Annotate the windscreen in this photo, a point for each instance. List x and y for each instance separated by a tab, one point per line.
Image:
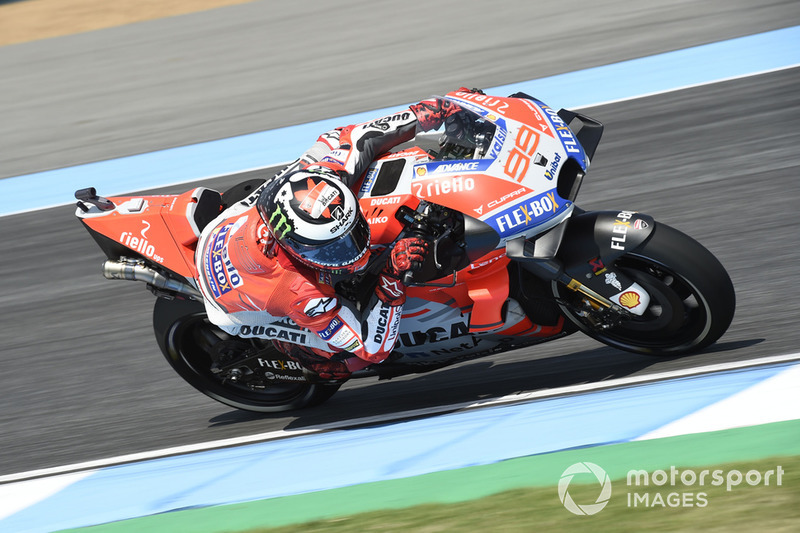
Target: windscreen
464	135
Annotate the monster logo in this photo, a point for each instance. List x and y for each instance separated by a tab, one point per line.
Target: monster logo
282	226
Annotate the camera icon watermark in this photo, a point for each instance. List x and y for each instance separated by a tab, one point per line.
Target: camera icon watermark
586	508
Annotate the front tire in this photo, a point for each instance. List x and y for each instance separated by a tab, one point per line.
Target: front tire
692	298
186	336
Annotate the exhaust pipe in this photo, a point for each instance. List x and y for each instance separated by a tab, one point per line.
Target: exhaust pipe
137	271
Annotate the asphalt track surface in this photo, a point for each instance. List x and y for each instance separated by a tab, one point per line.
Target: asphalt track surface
82	376
267	64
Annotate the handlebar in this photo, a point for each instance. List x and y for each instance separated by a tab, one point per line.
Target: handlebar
408	275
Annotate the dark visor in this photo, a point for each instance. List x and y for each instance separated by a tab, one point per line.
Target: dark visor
340	252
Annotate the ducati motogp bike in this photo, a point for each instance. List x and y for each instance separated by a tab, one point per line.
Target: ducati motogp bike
513	262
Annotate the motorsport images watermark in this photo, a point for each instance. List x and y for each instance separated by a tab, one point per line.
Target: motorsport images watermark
639	483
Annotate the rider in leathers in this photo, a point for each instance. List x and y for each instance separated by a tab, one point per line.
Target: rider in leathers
263	258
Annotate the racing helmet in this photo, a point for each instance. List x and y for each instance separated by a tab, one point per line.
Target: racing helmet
316	219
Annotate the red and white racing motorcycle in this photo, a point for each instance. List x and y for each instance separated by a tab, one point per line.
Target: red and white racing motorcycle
514	261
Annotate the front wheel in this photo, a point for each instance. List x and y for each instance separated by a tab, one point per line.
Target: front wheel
692	300
189	342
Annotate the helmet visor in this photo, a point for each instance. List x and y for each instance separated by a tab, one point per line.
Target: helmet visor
339	253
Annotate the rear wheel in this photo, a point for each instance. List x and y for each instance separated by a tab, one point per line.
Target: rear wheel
692	298
191	345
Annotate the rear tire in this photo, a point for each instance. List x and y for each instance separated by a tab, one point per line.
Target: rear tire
185	336
692	298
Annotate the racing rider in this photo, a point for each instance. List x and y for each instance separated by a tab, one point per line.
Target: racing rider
278	253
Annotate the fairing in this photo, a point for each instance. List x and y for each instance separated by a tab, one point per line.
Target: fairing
159	229
503	168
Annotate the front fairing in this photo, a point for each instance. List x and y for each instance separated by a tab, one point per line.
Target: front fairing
499	160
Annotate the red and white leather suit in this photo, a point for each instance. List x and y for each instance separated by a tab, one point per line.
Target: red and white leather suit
250	283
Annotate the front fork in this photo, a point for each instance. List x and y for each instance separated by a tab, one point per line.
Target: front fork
579	254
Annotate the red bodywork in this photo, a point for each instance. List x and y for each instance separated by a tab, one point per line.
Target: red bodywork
159	228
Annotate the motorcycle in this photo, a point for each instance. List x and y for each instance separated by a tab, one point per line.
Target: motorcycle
514	260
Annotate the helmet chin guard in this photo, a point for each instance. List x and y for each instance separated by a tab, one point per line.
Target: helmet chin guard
316	219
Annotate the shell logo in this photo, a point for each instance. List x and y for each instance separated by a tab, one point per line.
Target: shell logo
421	171
629	299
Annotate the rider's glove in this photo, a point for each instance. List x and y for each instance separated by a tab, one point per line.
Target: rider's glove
407	255
431	113
407	252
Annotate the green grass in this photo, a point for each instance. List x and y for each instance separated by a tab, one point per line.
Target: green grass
520	493
744	508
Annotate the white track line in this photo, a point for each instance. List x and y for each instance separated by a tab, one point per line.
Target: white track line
415	413
19	496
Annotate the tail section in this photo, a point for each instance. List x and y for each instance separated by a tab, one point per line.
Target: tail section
159	229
